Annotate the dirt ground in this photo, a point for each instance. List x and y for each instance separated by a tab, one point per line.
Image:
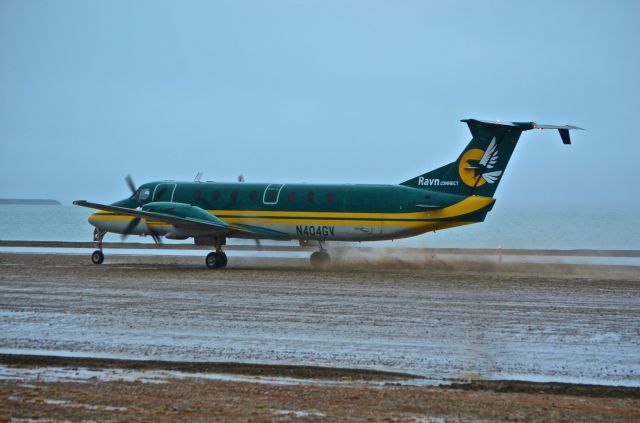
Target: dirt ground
205	400
82	391
445	322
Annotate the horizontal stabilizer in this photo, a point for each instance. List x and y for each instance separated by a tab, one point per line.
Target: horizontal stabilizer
526	126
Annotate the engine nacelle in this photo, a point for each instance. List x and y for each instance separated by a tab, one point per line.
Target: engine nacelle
178	237
209	240
182	210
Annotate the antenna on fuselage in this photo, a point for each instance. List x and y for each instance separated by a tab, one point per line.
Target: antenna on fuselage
198	177
240	178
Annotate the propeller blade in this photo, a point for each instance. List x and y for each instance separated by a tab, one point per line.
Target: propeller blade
129	229
156	238
129	180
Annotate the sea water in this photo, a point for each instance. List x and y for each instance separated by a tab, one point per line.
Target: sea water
599	229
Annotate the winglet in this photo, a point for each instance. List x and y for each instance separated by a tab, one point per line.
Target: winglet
564	134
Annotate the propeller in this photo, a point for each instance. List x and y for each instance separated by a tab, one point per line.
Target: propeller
129	180
132	186
136	220
129	229
156	238
131	226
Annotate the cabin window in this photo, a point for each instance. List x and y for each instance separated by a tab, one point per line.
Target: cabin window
234	196
215	195
144	194
291	197
197	195
330	197
253	196
310	198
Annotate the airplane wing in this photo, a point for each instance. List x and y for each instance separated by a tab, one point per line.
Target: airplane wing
185	222
179	222
260	231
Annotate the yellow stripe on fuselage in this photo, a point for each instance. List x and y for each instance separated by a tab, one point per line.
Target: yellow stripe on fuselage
328	222
468	205
410	220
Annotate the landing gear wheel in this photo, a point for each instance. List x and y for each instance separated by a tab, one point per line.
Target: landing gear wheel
223	259
320	259
97	257
216	259
212	261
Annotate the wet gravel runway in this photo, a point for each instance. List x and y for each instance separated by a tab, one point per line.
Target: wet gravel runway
439	320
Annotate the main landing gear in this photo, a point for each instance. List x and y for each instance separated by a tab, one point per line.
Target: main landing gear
320	258
216	260
97	257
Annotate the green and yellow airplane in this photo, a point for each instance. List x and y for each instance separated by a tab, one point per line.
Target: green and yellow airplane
458	193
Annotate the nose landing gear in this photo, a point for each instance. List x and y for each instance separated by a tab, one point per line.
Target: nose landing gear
97	257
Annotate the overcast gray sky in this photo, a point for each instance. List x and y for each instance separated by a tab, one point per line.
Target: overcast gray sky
315	91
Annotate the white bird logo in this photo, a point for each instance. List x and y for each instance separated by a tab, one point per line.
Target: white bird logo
487	161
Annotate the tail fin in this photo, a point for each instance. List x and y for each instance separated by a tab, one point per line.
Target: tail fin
482	164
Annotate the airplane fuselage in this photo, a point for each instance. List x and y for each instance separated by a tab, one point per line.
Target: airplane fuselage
304	211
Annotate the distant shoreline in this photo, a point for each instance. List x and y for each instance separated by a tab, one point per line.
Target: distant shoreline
29	201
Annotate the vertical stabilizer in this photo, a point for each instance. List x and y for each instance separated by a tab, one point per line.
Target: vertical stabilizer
481	165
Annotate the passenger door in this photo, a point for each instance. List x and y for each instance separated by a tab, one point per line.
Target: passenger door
272	193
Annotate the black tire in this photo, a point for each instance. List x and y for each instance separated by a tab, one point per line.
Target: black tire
213	260
223	259
320	259
97	257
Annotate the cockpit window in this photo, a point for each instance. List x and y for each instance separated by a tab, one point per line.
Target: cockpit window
143	194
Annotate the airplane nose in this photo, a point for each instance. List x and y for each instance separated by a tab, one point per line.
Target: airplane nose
110	222
95	220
